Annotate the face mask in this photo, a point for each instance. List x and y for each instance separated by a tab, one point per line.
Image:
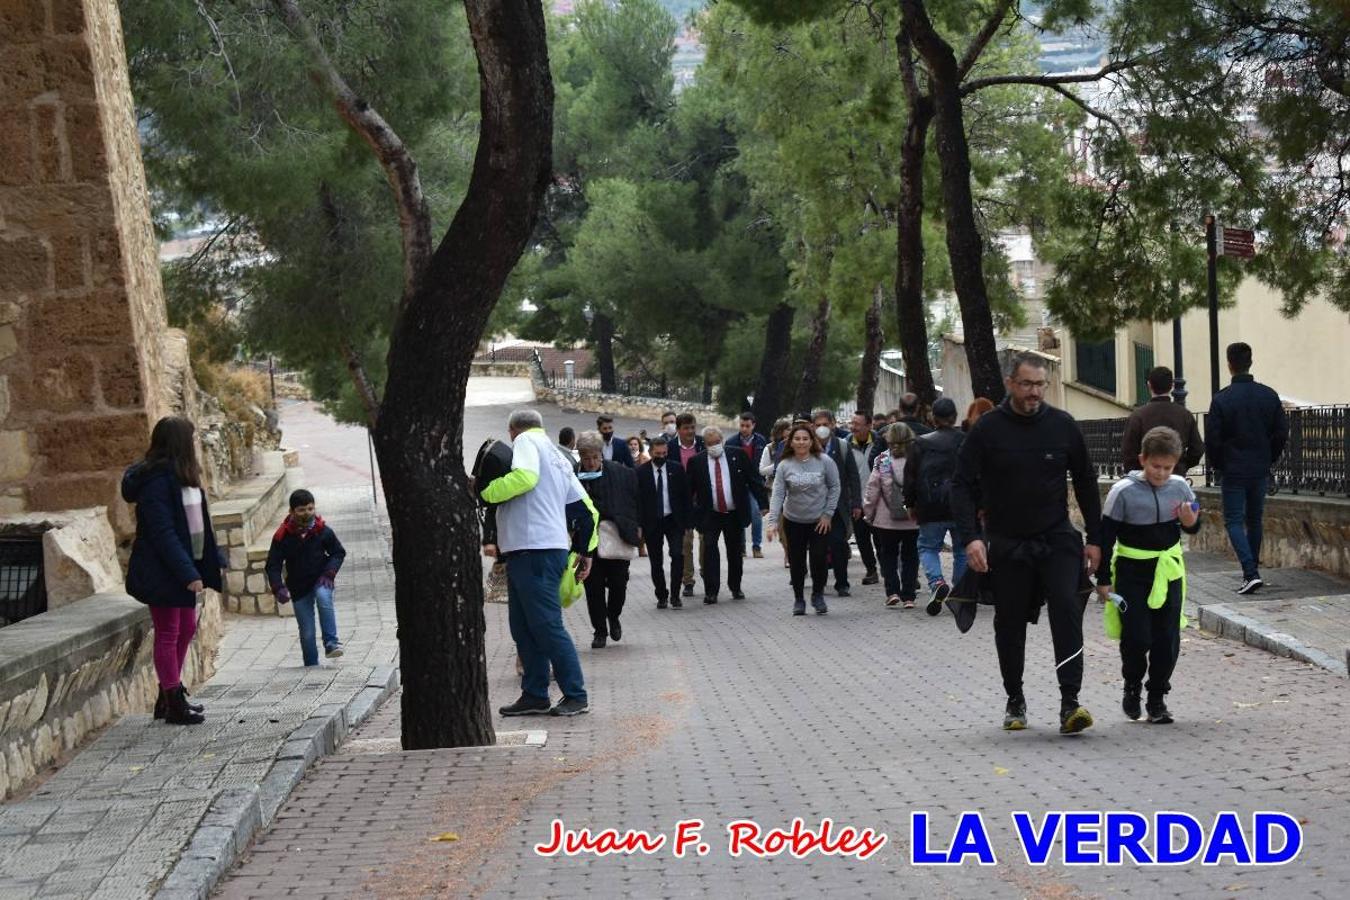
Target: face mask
823	432
716	451
658	460
590	476
670	428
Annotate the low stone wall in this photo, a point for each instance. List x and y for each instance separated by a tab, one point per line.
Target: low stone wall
245	522
72	670
502	369
1298	531
620	406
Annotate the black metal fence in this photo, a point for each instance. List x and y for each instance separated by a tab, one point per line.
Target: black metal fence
1315	461
626	386
23	590
508	354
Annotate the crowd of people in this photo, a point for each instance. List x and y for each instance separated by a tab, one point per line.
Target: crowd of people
898	487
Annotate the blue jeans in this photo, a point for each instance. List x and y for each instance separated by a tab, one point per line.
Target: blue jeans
756	524
321	597
535	614
1244	502
931	536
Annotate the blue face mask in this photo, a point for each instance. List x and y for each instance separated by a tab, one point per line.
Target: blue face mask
590	476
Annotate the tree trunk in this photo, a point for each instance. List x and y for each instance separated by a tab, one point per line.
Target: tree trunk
773	367
602	334
809	387
438	586
965	247
870	373
910	318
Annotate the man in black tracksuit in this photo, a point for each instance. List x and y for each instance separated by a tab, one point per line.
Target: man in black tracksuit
1012	469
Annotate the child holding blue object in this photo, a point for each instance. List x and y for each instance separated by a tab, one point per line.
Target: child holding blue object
1142	520
312	555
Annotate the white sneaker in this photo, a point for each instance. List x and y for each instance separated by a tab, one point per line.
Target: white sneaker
1250	586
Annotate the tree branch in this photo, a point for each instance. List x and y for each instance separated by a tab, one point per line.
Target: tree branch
1089	108
1049	81
981	40
399	166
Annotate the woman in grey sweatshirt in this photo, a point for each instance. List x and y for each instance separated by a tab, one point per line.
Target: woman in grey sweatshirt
805	494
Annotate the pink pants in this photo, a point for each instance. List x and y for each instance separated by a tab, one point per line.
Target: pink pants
174	628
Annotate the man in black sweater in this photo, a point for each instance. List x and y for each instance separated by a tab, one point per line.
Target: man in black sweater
1012	469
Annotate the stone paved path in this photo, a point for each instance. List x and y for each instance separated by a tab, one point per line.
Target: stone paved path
864	715
113	822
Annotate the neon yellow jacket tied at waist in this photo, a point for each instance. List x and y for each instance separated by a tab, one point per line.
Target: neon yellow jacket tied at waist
1171	566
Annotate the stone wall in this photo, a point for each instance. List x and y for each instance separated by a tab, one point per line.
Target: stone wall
245	522
82	375
71	671
79	552
618	405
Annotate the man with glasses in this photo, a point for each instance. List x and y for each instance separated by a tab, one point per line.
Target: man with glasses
1012	469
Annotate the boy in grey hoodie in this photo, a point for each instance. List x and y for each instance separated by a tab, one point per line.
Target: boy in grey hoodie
1142	520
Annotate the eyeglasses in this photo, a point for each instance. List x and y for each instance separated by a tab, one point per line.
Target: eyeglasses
1032	385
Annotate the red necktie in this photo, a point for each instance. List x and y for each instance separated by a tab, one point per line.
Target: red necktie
721	497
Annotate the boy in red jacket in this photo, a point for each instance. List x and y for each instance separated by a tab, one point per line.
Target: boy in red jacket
312	556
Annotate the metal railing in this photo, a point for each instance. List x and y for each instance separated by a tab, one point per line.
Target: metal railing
508	354
23	589
1316	459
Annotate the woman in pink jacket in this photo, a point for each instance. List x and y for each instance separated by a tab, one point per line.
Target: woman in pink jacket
897	535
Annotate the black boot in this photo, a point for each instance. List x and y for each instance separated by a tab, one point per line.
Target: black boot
161	704
195	707
176	710
1131	700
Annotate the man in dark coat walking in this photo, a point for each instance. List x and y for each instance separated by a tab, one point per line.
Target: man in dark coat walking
722	485
1160	410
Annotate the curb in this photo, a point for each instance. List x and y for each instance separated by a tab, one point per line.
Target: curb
1225	621
237	815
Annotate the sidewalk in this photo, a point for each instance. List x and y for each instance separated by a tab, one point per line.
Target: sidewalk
1299	613
148	804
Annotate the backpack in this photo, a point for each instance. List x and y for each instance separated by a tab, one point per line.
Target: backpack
937	465
493	461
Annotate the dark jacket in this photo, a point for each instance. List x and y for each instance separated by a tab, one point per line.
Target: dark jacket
615	495
493	461
1157	412
649	505
849	498
919	428
1013	466
756	442
745	481
161	565
940	447
1246	429
307	556
622	455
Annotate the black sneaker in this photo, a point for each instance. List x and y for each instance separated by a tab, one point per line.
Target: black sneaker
799	607
738	595
871	577
570	706
1131	700
1015	714
598	642
1074	718
709	599
1157	712
676	603
941	591
818	603
662	603
842	591
1251	585
688	590
527	705
615	630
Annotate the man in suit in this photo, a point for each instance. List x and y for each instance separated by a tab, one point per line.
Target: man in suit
750	442
665	511
686	445
850	501
723	484
615	448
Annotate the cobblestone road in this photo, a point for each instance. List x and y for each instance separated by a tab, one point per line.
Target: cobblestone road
740	710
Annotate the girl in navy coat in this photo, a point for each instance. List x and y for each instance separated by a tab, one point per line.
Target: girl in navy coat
174	557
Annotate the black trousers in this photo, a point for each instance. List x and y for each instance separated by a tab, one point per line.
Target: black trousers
899	551
1150	639
728	527
837	544
867	536
1019	585
606	589
672	533
805	542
